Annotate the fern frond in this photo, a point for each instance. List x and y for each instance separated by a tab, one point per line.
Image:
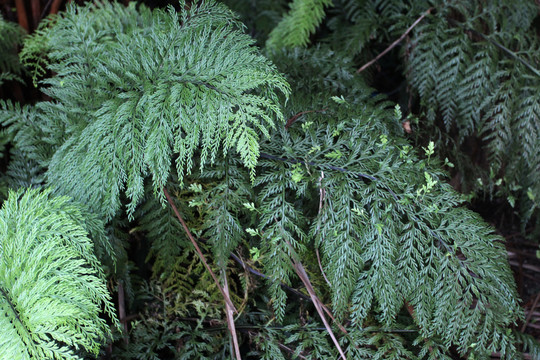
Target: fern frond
463	65
280	222
225	206
11	35
297	25
392	232
52	287
135	87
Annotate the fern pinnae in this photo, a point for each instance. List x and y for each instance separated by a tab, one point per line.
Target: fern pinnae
54	284
211	97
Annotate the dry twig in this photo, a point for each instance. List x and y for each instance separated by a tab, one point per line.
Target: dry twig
426	13
199	252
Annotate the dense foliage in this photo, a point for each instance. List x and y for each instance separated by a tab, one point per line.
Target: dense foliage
334	201
52	287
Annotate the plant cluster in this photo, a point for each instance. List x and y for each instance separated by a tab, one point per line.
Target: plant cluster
285	213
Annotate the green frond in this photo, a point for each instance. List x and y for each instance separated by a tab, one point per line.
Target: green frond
160	224
11	35
462	63
390	232
160	85
280	222
298	24
52	287
224	207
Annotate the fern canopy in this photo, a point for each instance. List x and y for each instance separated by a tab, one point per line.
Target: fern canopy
462	62
52	288
137	88
390	231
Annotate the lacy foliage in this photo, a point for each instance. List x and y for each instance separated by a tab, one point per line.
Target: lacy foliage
52	287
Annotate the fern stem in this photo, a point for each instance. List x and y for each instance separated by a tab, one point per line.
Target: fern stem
5	295
230	319
264	276
500	46
426	13
199	252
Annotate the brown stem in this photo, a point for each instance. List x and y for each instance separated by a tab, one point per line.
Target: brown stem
395	42
316	301
21	14
230	319
36	12
55	7
292	119
529	316
199	252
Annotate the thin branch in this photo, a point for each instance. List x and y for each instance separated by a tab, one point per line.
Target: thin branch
260	274
529	316
230	318
316	301
292	119
199	252
426	13
301	272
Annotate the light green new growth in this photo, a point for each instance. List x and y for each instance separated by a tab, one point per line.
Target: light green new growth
137	88
52	288
296	26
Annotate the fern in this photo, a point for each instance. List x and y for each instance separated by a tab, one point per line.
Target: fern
405	269
192	78
11	35
462	64
389	229
296	27
52	287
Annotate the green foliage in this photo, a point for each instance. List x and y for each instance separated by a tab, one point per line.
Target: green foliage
160	85
11	36
404	266
52	286
385	236
296	27
463	62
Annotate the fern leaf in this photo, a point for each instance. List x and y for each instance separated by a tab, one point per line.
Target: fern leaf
52	288
296	27
161	83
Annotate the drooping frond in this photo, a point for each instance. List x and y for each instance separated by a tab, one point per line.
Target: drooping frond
135	88
52	289
391	233
463	64
281	225
225	194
